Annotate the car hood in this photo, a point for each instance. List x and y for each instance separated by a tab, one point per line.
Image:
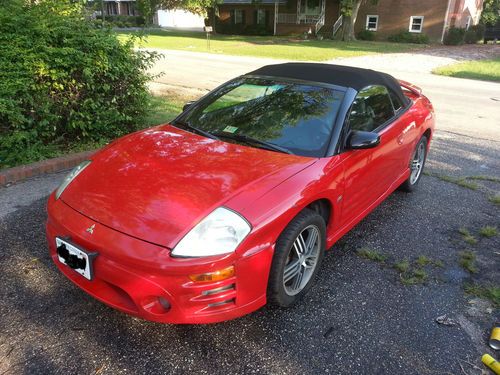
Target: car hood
157	184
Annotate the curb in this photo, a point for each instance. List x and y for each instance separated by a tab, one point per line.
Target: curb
16	174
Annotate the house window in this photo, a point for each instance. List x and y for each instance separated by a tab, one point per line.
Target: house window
261	17
238	16
416	24
371	23
111	8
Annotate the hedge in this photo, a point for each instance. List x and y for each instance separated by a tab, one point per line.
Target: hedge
64	80
407	37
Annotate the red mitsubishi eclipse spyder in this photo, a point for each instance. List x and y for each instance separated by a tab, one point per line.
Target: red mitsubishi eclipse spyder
233	204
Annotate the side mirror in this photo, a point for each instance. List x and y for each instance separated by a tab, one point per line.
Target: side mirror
187	105
360	140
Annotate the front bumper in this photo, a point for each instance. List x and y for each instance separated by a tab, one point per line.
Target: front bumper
134	276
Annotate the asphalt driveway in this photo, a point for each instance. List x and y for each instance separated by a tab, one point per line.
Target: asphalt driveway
359	318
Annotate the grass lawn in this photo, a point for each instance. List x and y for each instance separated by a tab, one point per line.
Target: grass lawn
486	70
164	109
287	48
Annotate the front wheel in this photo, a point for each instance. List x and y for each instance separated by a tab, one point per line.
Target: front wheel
416	165
297	258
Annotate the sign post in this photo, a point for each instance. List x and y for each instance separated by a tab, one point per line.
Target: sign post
208	30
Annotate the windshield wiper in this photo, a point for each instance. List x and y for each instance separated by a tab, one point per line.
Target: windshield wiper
255	141
195	129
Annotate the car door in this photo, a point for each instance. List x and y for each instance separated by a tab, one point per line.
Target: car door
370	173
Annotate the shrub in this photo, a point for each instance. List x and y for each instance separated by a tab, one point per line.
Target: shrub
474	34
408	37
454	36
63	79
366	35
225	27
128	21
255	30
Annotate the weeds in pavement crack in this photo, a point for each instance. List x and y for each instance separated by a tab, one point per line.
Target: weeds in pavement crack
467	259
467	236
489	292
488	231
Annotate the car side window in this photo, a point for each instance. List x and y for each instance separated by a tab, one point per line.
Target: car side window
396	101
371	108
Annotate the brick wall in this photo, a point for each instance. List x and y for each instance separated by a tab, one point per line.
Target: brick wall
225	12
461	10
394	16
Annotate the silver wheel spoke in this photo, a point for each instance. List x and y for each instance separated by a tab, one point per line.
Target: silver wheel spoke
291	270
298	280
417	163
311	240
296	248
301	243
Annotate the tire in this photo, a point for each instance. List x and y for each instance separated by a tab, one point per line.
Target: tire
309	226
417	164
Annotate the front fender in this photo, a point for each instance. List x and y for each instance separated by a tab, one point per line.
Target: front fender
273	211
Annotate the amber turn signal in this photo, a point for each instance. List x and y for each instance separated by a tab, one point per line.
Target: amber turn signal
219	275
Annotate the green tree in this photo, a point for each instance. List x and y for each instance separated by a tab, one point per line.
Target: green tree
148	8
491	12
202	7
349	10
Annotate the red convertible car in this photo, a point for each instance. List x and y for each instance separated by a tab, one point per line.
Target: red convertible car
233	204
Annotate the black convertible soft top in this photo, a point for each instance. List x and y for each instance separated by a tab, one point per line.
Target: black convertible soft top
339	75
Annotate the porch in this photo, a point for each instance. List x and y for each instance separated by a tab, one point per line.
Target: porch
281	17
309	15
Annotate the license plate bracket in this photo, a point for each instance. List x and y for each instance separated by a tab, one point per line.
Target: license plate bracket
75	257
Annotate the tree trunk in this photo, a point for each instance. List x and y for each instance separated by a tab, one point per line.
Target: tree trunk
347	30
213	16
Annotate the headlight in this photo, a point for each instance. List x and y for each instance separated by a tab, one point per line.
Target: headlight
219	233
71	176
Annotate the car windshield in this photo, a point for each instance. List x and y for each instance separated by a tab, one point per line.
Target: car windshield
279	115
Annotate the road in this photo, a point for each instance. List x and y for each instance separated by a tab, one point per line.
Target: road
358	318
465	106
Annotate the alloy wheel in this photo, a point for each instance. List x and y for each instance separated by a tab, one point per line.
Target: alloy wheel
417	164
302	260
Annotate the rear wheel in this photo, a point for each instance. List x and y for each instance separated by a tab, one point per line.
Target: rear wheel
416	165
297	258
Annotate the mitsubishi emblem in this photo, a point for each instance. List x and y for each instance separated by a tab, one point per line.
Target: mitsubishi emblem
90	229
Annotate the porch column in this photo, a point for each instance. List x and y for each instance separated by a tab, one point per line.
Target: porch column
118	8
275	15
298	12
